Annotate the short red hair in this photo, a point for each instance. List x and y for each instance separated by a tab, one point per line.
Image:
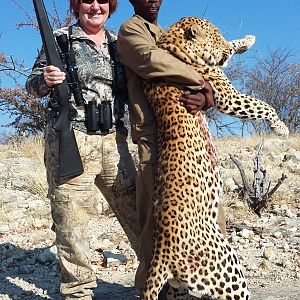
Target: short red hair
74	6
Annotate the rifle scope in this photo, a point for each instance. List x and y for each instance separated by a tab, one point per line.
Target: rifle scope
71	68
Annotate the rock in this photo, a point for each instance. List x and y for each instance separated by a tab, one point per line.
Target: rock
4	228
233	238
230	184
278	234
245	233
268	253
265	265
292	155
286	246
292	167
288	264
106	244
113	259
290	214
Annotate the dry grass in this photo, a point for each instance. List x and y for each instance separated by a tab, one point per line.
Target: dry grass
253	140
34	148
39	185
31	148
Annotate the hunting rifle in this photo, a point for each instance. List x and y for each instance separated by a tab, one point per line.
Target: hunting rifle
70	164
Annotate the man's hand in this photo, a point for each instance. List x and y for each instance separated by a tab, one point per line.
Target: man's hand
201	100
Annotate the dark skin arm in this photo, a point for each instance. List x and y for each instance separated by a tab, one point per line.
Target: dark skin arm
196	101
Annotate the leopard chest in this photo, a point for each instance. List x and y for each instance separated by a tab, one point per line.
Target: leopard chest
185	175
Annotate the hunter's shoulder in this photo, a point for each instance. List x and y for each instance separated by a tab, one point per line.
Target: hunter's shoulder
133	22
74	29
62	30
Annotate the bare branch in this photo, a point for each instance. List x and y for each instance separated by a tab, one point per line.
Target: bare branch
247	187
276	80
278	184
263	203
258	194
10	64
27	114
30	19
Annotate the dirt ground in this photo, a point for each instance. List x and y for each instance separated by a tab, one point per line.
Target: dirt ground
268	246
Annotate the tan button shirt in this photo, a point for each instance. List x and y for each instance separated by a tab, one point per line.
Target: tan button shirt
137	50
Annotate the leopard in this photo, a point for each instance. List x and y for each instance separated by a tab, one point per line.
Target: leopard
202	46
190	252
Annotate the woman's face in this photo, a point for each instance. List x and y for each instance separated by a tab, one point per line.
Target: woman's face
93	14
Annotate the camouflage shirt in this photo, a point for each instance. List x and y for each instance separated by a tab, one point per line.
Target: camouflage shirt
95	73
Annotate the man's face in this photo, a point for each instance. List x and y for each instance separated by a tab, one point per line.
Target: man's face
147	9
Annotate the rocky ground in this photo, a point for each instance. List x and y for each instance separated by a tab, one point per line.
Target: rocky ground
269	246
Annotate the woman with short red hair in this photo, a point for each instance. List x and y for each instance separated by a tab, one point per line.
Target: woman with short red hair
75	4
103	149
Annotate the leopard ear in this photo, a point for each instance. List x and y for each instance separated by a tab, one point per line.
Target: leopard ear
195	31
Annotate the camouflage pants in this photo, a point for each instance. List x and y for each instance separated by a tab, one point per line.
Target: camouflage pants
108	166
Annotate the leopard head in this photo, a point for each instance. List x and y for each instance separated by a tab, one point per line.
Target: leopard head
196	41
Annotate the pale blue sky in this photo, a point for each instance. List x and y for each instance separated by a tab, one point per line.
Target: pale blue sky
275	24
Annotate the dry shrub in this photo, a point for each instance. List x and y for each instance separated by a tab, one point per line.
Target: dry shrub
33	148
273	160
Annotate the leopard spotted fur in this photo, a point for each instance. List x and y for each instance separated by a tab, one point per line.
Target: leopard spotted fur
189	249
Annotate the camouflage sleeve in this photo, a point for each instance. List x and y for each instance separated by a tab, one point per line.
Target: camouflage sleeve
35	84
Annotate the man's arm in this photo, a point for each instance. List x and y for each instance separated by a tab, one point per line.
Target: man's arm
137	51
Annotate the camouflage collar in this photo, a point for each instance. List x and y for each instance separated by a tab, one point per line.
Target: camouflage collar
77	32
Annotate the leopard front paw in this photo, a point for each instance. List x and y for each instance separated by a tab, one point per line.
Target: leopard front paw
246	43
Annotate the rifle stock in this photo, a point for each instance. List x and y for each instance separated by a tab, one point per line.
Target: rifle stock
70	164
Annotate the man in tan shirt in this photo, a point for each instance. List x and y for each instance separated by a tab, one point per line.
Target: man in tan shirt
143	60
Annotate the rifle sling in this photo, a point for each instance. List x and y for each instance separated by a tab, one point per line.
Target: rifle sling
112	61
